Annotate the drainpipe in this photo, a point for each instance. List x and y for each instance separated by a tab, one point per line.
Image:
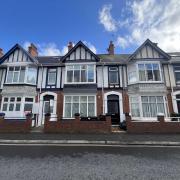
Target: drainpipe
103	87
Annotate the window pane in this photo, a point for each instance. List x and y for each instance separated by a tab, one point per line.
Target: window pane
142	75
83	76
28	107
69	76
144	99
31	75
83	109
90	98
22	74
75	98
67	110
145	108
177	74
18	99
11	107
4	107
67	99
29	99
17	107
12	99
90	73
16	76
91	109
156	72
76	75
9	76
83	98
5	99
135	110
52	77
149	72
75	108
113	77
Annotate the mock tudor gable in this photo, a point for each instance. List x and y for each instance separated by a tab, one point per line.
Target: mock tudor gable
149	50
17	55
80	52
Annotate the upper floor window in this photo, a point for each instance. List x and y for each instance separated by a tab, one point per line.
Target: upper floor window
51	79
21	74
177	74
80	74
149	72
113	75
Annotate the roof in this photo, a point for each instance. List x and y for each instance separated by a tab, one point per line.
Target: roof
116	58
49	60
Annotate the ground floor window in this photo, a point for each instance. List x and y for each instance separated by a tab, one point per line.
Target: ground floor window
147	106
85	105
17	104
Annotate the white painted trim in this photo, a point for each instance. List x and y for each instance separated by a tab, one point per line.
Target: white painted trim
120	102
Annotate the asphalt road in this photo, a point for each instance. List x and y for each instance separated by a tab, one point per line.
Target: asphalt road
84	163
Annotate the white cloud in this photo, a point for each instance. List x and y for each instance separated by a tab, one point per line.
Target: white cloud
106	19
48	49
157	20
51	49
90	46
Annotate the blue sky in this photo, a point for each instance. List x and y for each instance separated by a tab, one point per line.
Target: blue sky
52	24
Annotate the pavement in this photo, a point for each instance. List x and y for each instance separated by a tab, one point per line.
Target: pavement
92	139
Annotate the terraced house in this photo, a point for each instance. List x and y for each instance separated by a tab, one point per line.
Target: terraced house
144	83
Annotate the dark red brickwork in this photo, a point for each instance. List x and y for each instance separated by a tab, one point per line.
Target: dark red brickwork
77	126
159	126
15	126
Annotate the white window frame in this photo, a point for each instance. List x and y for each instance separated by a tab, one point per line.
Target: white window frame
95	108
49	70
25	78
117	71
81	64
177	82
165	102
149	62
21	113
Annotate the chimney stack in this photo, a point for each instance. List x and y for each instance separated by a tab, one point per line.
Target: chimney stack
111	48
1	53
70	46
32	49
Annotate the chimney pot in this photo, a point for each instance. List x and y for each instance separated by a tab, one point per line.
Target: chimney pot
111	48
32	49
70	46
1	52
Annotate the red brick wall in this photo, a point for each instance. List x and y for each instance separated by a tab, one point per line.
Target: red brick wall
77	126
152	127
15	126
99	103
170	104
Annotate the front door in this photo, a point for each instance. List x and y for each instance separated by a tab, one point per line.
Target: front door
113	109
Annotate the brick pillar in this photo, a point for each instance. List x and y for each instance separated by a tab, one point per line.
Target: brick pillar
125	102
170	104
160	118
99	103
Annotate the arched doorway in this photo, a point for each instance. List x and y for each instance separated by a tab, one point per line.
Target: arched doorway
48	103
114	106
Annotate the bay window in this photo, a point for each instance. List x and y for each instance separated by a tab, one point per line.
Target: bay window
80	74
149	72
85	105
147	106
21	74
